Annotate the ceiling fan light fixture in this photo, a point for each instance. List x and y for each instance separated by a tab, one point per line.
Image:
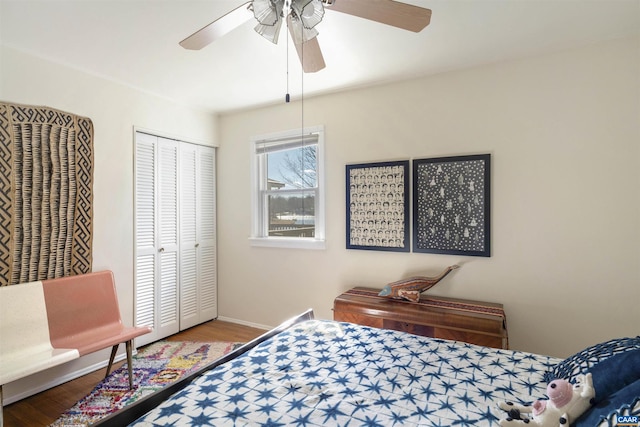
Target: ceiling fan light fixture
269	32
310	12
267	12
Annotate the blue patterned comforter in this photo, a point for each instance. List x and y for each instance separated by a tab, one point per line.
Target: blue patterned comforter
323	373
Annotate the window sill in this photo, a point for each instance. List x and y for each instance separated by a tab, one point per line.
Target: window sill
283	242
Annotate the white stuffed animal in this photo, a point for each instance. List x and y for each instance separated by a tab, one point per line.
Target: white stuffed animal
566	403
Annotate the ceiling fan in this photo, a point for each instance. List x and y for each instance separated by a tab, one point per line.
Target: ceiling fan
301	18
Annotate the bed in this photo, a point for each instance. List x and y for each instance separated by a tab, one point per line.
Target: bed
323	373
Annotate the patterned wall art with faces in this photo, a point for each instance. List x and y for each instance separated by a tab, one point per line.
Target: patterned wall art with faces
378	206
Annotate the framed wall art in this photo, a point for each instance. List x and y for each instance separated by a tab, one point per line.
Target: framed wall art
451	205
378	206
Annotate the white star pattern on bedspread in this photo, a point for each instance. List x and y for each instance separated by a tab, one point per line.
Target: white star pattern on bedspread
322	373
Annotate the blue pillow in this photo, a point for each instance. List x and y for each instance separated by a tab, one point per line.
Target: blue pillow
615	373
625	401
586	359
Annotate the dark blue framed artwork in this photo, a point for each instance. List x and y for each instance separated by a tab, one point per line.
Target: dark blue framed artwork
378	206
451	205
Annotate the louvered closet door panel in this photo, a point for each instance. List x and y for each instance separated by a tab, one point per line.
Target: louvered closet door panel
206	197
168	294
145	193
145	232
145	290
189	314
167	285
208	289
188	289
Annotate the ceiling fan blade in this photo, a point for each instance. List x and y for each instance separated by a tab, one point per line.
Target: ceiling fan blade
218	28
311	56
309	52
401	15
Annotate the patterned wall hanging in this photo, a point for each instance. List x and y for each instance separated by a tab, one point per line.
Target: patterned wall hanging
451	205
378	206
46	170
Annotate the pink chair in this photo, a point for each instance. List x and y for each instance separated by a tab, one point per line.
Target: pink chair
83	313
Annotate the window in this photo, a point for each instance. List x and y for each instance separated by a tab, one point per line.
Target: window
288	189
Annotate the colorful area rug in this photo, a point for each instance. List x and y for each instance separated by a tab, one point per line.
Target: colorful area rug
154	367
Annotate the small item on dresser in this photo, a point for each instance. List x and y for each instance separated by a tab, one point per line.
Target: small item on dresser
411	288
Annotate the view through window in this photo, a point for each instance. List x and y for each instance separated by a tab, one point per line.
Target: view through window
291	191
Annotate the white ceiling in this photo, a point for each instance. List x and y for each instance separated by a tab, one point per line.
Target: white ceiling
136	42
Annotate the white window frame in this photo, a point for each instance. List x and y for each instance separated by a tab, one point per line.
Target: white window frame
259	233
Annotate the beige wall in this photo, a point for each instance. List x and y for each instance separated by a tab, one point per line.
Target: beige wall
564	134
115	110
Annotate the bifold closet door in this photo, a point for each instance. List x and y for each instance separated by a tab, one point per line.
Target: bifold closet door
207	240
197	235
156	234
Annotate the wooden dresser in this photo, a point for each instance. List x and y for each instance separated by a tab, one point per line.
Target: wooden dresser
474	322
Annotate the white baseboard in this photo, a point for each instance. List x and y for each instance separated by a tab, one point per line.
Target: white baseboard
245	323
60	380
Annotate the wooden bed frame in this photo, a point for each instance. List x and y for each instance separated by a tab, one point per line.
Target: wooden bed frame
131	413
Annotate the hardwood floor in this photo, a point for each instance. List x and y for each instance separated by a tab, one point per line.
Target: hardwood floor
44	408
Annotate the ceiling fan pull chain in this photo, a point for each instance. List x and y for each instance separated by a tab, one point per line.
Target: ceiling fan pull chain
287	98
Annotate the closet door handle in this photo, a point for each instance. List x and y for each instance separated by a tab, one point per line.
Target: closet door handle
197	244
161	250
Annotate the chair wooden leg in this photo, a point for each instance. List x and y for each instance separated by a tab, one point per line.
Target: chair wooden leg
129	346
114	350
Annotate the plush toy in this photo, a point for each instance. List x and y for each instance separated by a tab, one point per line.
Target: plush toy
566	403
411	288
